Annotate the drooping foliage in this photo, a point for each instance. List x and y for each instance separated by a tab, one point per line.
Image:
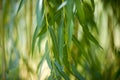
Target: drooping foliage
66	33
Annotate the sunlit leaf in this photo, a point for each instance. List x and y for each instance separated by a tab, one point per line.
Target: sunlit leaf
39	11
62	5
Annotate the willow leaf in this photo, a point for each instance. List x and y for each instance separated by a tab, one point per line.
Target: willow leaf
43	57
62	5
90	36
65	58
76	73
55	43
40	18
39	11
70	33
41	35
78	44
20	5
60	40
80	11
38	28
70	24
44	29
93	4
60	70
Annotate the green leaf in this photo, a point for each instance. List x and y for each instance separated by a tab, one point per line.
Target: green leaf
70	33
40	40
87	9
43	31
38	28
90	36
93	4
80	11
78	44
60	40
42	35
39	11
70	23
62	5
43	58
55	43
60	70
20	5
49	61
40	22
76	73
65	58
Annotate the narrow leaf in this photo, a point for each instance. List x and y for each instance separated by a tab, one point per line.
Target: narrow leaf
80	11
38	28
59	68
90	36
70	33
55	43
20	5
43	57
40	22
39	11
76	73
78	44
62	5
60	40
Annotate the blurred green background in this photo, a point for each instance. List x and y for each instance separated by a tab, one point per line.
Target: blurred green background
59	40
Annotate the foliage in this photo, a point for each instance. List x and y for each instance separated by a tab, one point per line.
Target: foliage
71	32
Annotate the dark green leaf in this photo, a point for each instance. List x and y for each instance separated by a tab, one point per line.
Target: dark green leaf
65	58
78	44
76	73
55	43
93	4
59	68
80	11
20	5
87	9
38	28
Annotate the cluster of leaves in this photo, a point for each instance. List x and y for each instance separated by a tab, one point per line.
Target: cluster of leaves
58	21
72	49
